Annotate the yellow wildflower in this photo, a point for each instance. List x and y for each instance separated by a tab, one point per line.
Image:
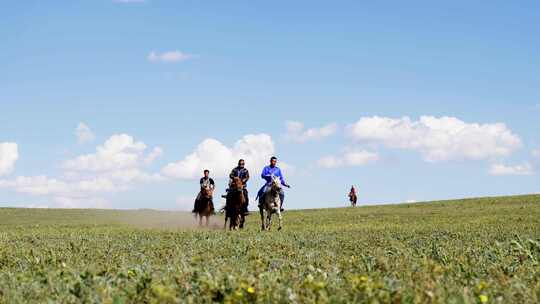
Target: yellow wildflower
483	298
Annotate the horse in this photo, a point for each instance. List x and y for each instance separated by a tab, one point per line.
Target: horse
271	203
353	198
204	206
234	205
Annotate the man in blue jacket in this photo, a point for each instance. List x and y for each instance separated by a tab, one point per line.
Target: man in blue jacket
267	173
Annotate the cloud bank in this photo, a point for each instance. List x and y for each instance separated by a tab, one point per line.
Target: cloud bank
501	169
296	131
114	167
211	154
438	139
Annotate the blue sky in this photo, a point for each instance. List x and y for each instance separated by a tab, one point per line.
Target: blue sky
407	102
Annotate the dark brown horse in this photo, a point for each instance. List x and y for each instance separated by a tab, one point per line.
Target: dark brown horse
353	198
234	205
204	206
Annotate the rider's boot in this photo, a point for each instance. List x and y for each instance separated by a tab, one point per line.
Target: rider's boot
226	193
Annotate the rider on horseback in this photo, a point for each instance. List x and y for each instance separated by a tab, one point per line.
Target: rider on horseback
353	196
267	174
353	191
243	174
206	182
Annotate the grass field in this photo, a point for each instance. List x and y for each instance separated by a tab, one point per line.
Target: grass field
466	251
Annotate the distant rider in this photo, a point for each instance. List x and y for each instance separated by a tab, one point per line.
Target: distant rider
205	182
267	173
243	174
352	195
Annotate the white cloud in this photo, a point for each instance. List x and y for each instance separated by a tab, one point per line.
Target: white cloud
133	175
119	152
9	155
155	154
438	139
348	159
330	161
172	56
42	185
501	169
219	159
296	131
114	167
536	153
84	134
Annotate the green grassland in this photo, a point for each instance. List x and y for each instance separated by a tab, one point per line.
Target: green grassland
465	251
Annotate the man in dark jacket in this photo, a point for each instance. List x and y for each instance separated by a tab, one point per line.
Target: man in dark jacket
243	174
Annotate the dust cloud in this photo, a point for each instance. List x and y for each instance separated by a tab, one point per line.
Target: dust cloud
157	219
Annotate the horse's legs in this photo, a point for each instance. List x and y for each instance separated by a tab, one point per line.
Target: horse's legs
279	218
242	221
261	211
207	220
236	222
200	220
233	223
268	219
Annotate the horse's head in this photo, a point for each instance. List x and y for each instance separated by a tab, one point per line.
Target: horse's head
207	191
275	184
237	183
236	200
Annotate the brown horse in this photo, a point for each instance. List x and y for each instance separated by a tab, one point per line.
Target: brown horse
353	198
234	205
204	206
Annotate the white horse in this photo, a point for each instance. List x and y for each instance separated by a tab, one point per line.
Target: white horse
271	204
